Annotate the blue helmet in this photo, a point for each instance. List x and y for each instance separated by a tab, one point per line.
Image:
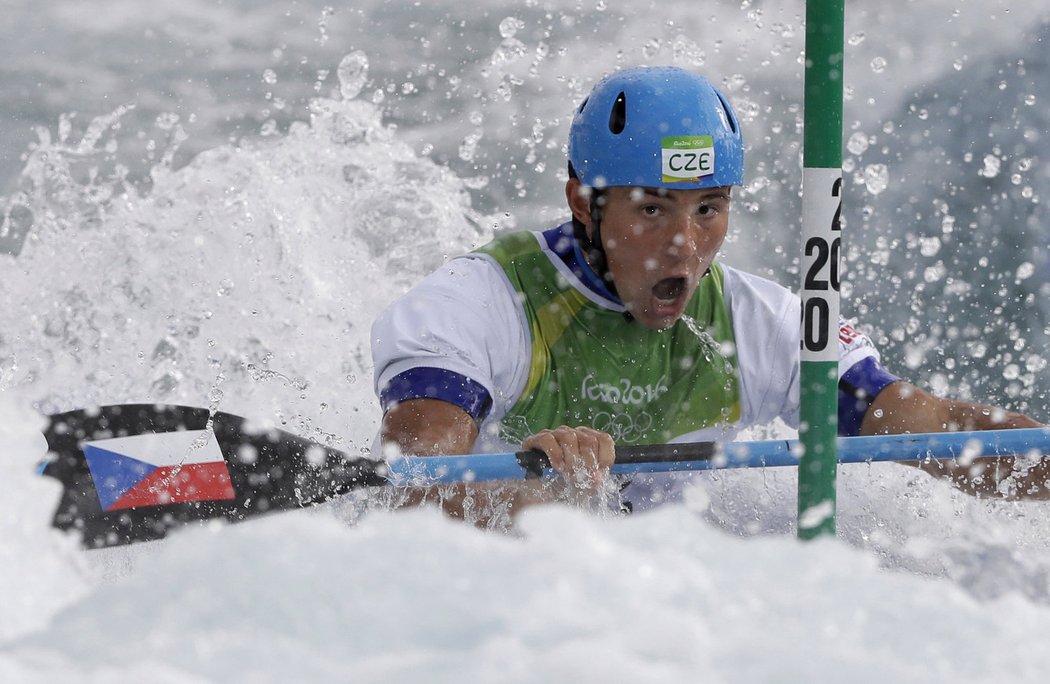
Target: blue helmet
659	127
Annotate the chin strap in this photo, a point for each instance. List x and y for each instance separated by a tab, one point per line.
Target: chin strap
592	246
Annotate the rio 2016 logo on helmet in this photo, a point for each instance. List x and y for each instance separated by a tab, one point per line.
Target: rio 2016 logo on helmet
656	127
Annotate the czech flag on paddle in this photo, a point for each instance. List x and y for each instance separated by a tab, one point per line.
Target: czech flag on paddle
158	469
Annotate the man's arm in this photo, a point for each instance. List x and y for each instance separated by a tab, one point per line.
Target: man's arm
904	408
429	427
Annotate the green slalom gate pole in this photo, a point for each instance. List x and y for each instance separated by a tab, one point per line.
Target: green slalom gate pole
821	205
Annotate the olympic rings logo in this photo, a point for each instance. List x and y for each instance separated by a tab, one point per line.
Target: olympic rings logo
623	427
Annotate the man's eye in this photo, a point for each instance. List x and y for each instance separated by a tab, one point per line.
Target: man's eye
650	210
706	210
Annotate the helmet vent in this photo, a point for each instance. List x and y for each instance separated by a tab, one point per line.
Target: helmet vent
618	115
728	111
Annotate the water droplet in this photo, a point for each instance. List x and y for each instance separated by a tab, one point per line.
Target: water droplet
857	143
1029	99
65	127
167	121
992	165
929	246
878	65
352	73
876	178
468	148
857	38
246	453
510	26
935	273
315	455
270	76
971	450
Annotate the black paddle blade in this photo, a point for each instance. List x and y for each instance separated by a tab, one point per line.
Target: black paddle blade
133	472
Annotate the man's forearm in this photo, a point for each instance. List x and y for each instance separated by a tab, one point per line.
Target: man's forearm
904	408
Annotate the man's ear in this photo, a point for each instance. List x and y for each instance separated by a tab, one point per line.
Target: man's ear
578	197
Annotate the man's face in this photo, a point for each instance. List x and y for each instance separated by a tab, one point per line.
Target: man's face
658	244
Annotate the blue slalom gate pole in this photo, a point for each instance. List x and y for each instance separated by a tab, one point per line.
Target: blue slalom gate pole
414	471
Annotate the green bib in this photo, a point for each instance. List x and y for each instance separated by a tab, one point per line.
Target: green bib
589	366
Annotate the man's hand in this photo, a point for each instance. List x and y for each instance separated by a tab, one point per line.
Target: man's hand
424	427
582	455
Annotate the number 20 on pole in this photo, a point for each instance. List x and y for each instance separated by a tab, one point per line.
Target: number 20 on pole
820	284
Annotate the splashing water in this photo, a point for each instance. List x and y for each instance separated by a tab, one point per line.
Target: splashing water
711	350
248	278
353	74
876	178
204	276
857	143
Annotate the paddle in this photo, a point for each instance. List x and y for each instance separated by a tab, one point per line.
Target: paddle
133	472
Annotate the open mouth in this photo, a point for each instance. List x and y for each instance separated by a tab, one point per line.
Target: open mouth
669	289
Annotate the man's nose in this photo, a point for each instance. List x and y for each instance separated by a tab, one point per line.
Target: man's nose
683	237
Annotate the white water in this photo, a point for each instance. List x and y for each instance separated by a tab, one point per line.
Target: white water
245	276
